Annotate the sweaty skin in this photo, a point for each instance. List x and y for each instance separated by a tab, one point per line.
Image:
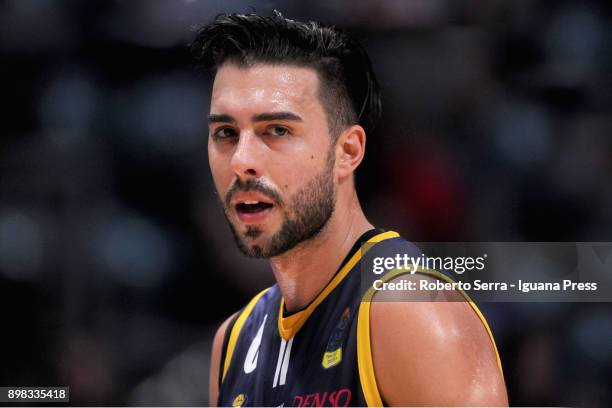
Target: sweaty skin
434	353
268	124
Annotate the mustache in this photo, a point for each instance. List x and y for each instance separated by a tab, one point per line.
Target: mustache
252	185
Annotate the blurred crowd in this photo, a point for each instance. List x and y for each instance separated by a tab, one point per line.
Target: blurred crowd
116	263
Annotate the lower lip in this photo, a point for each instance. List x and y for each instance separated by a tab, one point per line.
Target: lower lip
252	218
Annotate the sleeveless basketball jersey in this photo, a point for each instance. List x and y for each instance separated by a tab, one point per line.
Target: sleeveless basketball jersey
319	356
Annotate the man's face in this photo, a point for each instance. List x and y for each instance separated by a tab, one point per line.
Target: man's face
271	155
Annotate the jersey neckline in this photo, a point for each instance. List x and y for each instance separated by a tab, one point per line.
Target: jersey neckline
358	243
288	326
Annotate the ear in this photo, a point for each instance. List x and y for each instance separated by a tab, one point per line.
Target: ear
350	149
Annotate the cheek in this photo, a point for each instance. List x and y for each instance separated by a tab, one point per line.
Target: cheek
286	177
296	174
220	170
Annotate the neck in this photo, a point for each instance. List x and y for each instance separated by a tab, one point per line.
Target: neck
306	269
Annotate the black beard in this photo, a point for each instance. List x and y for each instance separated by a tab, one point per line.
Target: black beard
313	204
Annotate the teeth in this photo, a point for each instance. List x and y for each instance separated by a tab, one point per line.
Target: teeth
251	202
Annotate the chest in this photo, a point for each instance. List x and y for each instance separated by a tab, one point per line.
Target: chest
316	366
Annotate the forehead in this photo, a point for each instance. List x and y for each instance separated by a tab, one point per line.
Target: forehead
265	86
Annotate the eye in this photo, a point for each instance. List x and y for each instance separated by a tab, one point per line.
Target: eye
278	131
224	133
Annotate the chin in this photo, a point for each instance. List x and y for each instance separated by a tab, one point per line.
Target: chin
252	250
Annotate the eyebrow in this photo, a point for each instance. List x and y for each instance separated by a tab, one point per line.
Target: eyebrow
262	117
215	117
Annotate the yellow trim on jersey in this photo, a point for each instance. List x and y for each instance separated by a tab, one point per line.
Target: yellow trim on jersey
365	362
236	331
289	326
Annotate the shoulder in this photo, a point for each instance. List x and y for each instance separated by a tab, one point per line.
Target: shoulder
216	359
436	353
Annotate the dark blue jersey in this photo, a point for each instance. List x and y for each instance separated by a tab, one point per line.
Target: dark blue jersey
319	356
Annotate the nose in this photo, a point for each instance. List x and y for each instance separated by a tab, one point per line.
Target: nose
247	160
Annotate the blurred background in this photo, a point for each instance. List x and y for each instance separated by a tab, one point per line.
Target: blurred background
116	264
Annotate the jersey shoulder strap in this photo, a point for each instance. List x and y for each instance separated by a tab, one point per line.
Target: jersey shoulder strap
226	337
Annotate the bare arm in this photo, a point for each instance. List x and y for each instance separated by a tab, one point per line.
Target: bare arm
215	361
434	353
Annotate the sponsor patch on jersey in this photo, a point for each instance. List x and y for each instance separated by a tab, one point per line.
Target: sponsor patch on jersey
338	398
239	400
333	352
332	358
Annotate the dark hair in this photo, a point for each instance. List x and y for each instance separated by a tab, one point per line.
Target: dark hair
349	91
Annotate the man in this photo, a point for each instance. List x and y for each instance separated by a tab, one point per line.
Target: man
290	108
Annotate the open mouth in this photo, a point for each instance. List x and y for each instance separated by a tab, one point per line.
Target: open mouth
252	207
